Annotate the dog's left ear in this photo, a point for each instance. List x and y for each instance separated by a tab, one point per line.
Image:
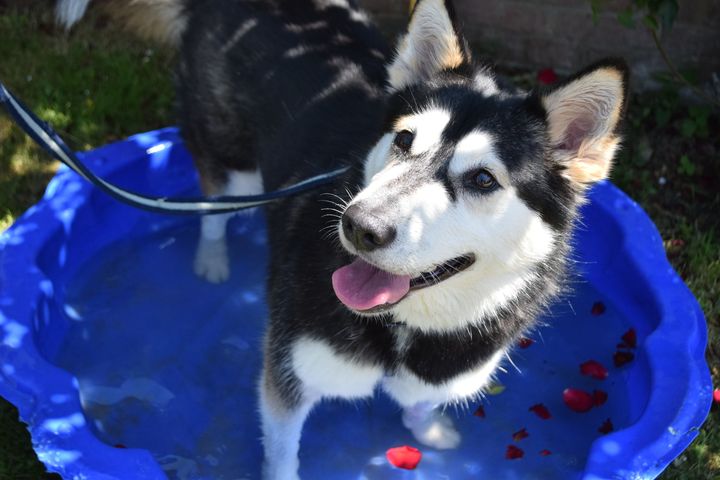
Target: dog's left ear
583	116
432	44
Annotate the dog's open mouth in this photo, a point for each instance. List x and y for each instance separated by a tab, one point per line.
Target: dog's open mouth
365	288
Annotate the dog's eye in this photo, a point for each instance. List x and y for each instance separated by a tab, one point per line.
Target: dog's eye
404	139
483	180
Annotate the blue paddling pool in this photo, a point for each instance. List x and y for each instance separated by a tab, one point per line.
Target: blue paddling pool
127	366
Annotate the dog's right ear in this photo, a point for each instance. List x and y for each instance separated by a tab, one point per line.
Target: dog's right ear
432	44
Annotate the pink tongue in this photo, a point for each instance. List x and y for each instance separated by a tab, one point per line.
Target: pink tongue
361	286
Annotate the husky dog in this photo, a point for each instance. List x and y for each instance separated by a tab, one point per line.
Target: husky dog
418	270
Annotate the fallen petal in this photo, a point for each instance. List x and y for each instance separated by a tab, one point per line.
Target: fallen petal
716	395
513	452
541	411
480	412
629	338
606	427
594	369
520	434
599	397
577	400
598	308
525	342
404	457
622	358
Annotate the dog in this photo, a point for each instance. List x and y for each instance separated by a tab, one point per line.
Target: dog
418	270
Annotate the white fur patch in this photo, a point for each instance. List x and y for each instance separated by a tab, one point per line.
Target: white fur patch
408	390
427	126
244	183
381	181
239	183
325	372
486	84
377	158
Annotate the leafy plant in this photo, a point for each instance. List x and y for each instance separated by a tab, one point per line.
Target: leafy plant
658	17
686	167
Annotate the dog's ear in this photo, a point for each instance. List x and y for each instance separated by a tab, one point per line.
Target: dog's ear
583	115
432	44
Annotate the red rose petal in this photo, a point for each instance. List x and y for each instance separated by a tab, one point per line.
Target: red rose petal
513	452
599	397
520	434
598	308
594	369
480	412
716	395
577	400
606	427
545	453
119	445
404	457
547	76
541	411
621	358
525	342
629	338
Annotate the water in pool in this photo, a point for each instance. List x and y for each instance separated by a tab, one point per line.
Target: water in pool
169	363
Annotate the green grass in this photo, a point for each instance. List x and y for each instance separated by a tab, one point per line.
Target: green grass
98	85
93	86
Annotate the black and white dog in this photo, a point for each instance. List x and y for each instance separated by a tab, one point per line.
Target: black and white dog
418	270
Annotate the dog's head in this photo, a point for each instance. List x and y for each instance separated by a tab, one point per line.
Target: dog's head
472	187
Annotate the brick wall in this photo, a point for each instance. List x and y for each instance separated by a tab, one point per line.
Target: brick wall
561	34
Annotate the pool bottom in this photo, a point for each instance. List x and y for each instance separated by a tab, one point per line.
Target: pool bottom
169	363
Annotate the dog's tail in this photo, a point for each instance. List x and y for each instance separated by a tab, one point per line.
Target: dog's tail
159	20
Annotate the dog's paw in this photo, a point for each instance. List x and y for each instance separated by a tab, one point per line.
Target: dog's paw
211	260
279	472
436	431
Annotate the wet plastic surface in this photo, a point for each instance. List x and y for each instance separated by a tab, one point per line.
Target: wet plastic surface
126	365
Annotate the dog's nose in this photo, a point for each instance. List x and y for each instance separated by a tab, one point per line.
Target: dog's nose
366	231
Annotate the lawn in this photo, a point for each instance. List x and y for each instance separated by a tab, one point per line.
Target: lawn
98	85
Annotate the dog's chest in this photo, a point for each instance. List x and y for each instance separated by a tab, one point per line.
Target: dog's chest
437	358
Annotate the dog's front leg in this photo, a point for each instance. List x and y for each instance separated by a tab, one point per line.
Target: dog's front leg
282	423
211	258
430	426
422	412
